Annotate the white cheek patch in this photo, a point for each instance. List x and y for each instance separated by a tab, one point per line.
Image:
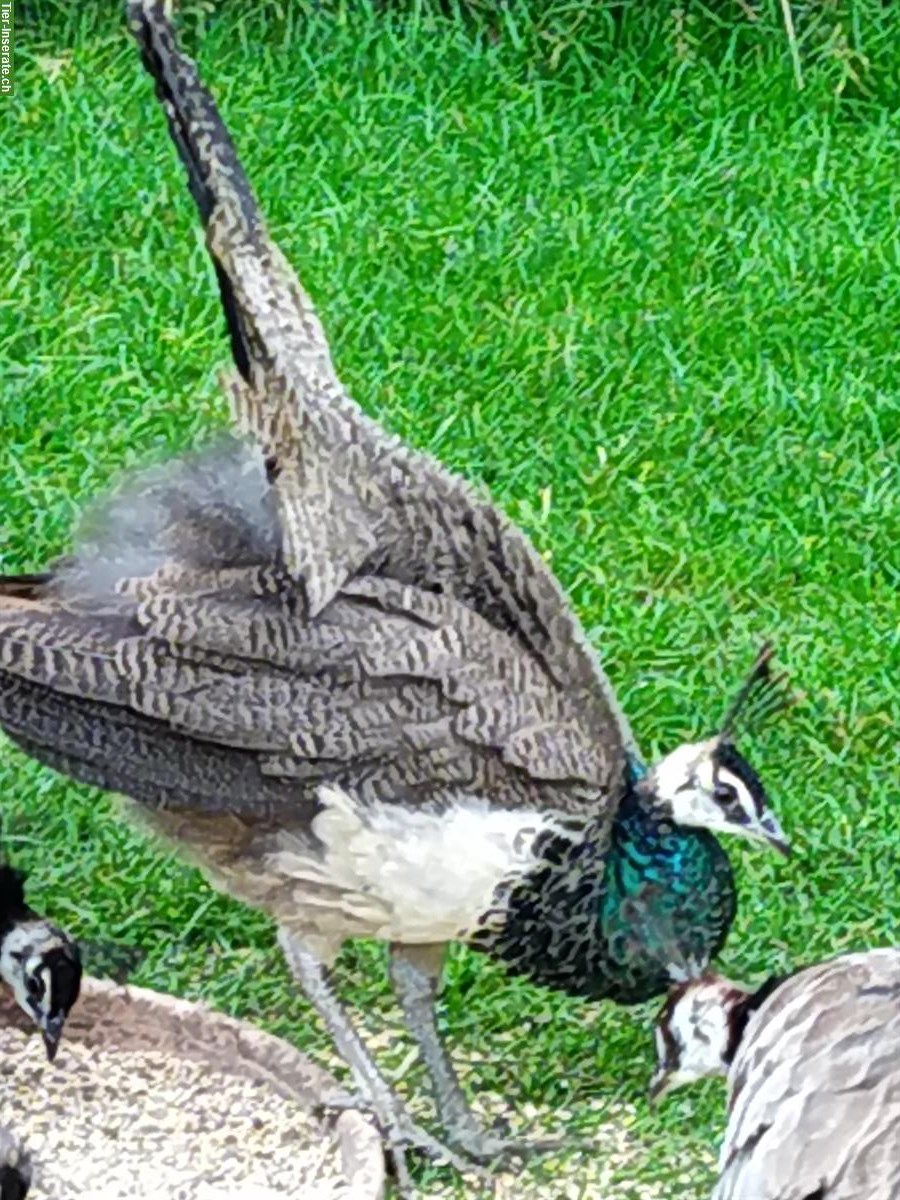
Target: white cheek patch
684	1023
706	1035
46	977
697	809
21	959
17	949
705	775
713	1032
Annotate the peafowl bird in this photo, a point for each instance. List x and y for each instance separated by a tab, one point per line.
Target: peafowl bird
813	1067
39	962
325	670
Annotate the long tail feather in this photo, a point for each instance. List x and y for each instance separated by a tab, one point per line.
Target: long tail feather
216	178
288	398
351	499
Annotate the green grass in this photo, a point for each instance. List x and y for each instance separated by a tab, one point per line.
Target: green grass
643	288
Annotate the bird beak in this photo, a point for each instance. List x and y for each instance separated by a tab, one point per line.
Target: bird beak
773	835
659	1085
51	1032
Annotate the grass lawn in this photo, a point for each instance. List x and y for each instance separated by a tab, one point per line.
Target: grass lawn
647	291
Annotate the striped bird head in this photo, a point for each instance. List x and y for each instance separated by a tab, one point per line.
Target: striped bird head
710	785
38	961
697	1032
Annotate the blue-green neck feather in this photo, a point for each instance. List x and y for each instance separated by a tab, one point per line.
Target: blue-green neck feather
668	901
618	919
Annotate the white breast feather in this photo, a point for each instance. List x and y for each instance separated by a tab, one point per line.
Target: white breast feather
414	876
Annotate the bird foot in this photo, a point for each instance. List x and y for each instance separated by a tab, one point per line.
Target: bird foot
474	1152
405	1138
338	1102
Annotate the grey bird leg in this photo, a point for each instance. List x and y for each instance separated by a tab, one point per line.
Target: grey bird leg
397	1127
415	974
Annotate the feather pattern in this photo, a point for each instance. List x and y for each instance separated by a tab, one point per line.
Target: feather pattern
386	679
814	1089
281	649
350	497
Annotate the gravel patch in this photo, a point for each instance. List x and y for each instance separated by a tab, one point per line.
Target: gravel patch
604	1170
128	1124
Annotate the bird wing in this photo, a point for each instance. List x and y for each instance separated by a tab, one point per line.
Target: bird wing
814	1104
350	498
210	686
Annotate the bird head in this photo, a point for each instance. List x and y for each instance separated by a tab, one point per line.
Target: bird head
15	1182
696	1032
42	965
15	1167
710	785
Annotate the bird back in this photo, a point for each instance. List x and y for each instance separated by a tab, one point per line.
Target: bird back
814	1105
350	498
171	656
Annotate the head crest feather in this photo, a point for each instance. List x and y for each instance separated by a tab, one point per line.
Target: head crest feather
762	694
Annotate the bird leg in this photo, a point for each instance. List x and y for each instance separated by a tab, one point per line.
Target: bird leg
399	1130
415	973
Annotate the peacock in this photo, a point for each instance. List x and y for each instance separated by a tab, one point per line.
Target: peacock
324	669
39	962
813	1066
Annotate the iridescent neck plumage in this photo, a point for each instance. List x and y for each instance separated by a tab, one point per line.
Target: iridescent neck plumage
621	917
669	899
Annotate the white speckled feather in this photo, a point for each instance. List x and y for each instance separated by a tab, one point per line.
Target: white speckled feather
815	1088
387	865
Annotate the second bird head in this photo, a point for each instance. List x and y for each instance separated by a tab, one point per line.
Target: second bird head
38	961
697	1032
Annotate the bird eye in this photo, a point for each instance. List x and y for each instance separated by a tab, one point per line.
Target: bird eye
727	799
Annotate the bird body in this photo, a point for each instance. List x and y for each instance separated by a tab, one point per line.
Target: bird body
353	692
813	1067
395	767
547	902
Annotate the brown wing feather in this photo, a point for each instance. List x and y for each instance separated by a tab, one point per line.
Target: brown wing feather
350	496
182	695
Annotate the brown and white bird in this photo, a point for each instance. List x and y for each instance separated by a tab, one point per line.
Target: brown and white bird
352	691
813	1067
39	962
